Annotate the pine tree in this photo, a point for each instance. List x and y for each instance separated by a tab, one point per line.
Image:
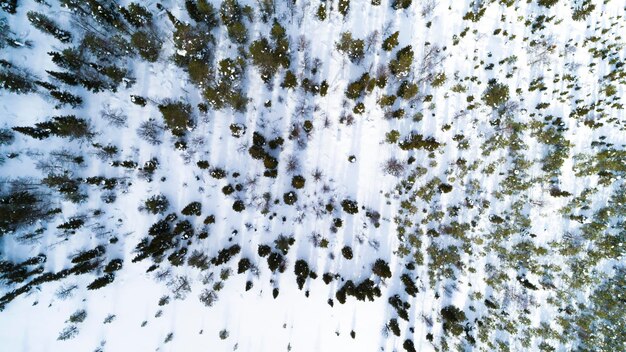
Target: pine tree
16	82
10	6
137	15
401	65
147	44
66	98
391	41
202	11
177	116
354	48
46	24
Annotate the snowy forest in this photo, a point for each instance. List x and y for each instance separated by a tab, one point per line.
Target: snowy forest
312	175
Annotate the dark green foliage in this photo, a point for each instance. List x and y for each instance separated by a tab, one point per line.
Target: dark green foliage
192	44
275	261
347	252
230	12
321	12
226	254
239	206
10	6
301	269
444	188
243	265
69	187
407	90
78	316
401	65
417	141
138	100
66	98
16	273
409	346
387	100
226	91
62	126
70	58
290	198
88	255
113	266
177	116
231	15
290	80
202	11
198	260
101	282
298	182
65	77
350	206
7	137
147	44
401	4
409	285
217	173
583	11
453	319
354	48
137	15
358	87
344	7
394	327
391	41
547	3
282	243
264	250
72	224
16	82
401	307
193	208
46	24
381	268
268	58
364	290
496	94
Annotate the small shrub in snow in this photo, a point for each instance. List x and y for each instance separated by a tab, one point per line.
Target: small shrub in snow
137	15
224	334
350	206
401	4
347	252
147	45
381	268
157	204
177	116
496	94
391	41
344	7
354	48
68	333
192	209
78	316
401	65
290	198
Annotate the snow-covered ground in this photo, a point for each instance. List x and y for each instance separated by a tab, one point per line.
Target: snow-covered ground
524	263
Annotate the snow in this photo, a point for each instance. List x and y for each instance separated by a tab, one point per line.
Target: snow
254	319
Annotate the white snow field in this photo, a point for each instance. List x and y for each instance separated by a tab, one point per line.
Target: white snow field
326	175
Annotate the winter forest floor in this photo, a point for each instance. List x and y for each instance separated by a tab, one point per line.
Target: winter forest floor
372	175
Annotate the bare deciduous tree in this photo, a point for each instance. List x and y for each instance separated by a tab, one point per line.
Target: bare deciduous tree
115	117
151	132
393	167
